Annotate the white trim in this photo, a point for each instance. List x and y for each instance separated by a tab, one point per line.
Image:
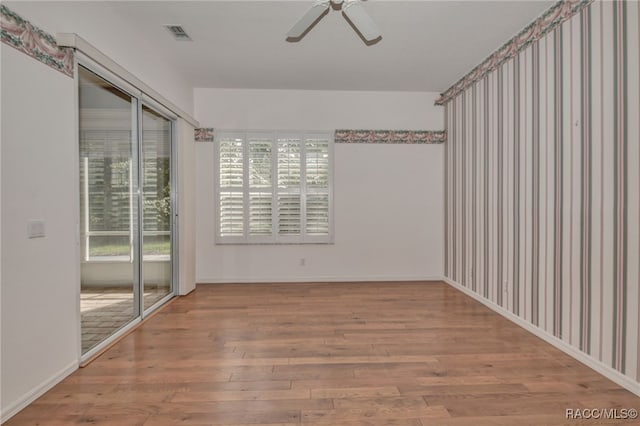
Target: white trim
76	42
112	78
316	279
78	220
614	375
35	393
158	107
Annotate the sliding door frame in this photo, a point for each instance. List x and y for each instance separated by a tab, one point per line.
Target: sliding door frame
158	108
140	99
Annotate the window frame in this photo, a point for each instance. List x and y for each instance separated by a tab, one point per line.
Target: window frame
274	238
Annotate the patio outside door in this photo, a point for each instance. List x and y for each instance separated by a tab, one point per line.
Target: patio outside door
126	203
156	206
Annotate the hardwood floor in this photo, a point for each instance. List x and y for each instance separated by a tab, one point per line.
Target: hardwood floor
394	354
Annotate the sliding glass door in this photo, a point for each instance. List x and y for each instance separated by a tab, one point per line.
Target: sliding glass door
156	206
126	195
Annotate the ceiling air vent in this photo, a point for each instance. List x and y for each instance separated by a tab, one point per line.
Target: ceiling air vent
178	32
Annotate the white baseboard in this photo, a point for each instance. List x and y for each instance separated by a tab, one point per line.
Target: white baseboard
614	375
315	279
35	393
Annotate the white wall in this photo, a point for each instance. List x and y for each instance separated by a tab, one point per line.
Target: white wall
186	209
40	322
388	198
116	37
1	395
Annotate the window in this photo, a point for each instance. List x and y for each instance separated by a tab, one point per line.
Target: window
273	187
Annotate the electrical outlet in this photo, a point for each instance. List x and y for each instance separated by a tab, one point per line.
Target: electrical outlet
303	261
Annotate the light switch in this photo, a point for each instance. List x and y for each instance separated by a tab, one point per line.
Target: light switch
35	229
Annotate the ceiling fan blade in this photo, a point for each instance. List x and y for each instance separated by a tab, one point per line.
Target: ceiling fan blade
310	18
361	21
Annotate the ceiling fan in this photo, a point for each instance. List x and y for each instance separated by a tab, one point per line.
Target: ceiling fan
352	11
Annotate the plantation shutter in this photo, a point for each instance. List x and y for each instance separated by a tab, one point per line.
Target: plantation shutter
317	186
260	186
273	187
288	194
231	157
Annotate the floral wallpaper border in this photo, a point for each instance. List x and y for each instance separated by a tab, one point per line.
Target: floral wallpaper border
554	16
20	34
204	134
391	136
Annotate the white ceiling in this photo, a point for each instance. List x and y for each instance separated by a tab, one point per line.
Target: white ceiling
426	45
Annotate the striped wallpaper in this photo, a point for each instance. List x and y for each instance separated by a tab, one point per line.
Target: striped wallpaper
543	184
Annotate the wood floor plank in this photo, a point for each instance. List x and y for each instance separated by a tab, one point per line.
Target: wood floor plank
532	420
242	395
225	418
362	392
379	422
376	415
339	354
